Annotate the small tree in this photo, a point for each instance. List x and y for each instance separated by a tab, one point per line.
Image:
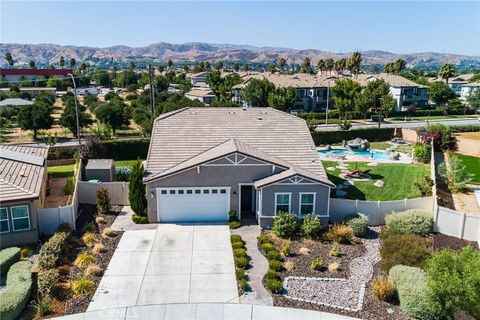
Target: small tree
136	190
456	175
103	201
35	117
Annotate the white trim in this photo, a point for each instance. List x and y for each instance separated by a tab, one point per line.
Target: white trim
328	204
260	203
13	219
8	221
289	201
300	202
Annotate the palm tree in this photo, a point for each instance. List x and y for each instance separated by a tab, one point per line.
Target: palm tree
329	65
354	62
447	71
62	62
160	68
321	65
306	65
72	62
400	65
340	65
32	64
282	62
389	68
9	59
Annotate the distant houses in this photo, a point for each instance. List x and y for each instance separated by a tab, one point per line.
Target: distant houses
33	74
468	88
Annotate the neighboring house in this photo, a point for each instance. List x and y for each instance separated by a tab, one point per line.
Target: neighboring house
15	102
198	77
23	183
469	88
90	90
33	74
455	83
204	162
204	95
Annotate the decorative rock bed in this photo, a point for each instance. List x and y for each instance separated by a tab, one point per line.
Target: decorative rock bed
345	294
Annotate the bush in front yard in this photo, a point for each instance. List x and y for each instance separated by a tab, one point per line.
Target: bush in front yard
240	252
274	285
358	222
82	286
136	189
311	227
286	248
453	282
273	255
235	238
8	257
275	265
139	219
47	280
285	225
271	274
17	292
103	201
411	289
238	245
317	264
241	262
340	233
234	224
267	247
52	250
383	289
412	221
263	238
409	250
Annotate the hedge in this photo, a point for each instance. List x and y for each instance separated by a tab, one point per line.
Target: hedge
52	250
8	257
17	293
371	134
358	222
126	149
413	221
411	287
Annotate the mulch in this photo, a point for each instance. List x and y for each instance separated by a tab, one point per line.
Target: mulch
442	241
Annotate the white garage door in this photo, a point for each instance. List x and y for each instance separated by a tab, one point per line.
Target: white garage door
193	204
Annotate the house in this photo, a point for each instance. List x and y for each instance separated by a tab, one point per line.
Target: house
23	183
33	74
89	90
198	77
35	91
455	83
204	95
468	88
204	162
14	102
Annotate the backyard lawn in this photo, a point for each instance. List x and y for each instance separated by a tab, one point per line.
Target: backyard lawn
399	180
471	163
67	170
404	148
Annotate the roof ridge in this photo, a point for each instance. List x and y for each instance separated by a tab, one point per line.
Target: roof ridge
171	113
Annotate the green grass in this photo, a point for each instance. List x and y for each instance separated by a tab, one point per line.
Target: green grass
431	118
471	163
405	148
61	171
399	180
125	163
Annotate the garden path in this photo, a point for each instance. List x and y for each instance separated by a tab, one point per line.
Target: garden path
346	294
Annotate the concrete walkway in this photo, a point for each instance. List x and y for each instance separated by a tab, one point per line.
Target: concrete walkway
259	266
206	311
124	222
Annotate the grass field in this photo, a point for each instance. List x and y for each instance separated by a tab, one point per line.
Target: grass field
431	118
67	170
405	148
471	163
399	180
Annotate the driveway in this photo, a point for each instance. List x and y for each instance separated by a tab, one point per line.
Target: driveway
170	264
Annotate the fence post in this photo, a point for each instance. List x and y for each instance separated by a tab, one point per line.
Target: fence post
356	206
378	213
405	204
462	225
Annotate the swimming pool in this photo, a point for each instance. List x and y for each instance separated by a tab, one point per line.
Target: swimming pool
354	154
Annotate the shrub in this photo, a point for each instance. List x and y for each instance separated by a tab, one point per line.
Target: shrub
409	250
241	262
100	220
358	223
17	292
452	282
89	227
25	252
263	238
82	286
411	289
267	247
422	152
93	270
317	264
240	252
69	186
239	273
341	233
235	238
243	283
456	175
232	215
43	306
108	233
289	265
103	201
271	274
122	173
83	259
285	225
47	281
383	289
311	227
234	224
52	250
275	265
273	255
136	191
126	149
138	219
285	248
64	227
334	267
412	221
304	251
334	251
99	248
274	285
371	134
238	245
90	239
8	257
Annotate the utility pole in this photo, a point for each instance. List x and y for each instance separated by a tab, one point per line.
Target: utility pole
76	107
152	94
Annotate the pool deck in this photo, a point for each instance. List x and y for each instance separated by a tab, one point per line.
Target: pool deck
404	158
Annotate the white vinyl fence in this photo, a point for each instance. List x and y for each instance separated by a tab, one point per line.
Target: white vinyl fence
375	210
118	192
49	219
457	224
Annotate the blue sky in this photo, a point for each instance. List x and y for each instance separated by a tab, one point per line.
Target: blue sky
341	26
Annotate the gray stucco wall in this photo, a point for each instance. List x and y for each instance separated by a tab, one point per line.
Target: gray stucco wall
18	238
221	176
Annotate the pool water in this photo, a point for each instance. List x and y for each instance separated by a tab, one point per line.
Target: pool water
372	154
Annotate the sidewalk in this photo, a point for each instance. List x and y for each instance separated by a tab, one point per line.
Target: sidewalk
124	222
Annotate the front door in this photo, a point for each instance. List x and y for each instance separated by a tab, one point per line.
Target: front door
247	198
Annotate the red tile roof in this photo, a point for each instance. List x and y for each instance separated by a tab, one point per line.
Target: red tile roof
35	72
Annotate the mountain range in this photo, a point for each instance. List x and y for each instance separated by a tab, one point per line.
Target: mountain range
199	51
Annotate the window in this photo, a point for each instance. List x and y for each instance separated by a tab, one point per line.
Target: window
198	191
206	191
307	203
163	192
282	202
172	191
223	191
4	226
189	191
214	191
20	218
181	192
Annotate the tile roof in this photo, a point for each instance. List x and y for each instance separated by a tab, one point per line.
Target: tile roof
15	102
200	93
189	136
21	171
287	174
